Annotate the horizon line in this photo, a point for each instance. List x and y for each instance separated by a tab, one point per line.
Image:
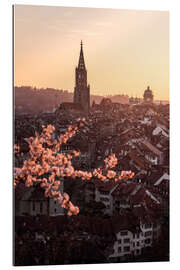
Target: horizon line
101	95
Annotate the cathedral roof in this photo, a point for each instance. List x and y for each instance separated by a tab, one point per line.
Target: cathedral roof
71	106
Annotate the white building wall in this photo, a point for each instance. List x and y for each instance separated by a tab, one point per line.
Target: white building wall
38	207
147	230
120	246
137	241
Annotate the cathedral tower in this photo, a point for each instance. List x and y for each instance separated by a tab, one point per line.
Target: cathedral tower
81	89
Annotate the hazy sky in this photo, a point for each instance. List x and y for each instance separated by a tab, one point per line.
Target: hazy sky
124	50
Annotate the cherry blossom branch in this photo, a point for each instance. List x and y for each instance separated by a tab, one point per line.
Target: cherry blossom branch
48	166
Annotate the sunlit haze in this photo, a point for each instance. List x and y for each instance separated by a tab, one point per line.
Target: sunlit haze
124	51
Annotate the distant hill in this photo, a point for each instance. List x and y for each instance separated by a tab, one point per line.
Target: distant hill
33	100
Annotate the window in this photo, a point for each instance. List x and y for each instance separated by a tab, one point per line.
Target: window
147	226
148	233
124	233
104	192
119	241
147	241
54	202
119	249
137	244
104	199
126	249
55	210
126	240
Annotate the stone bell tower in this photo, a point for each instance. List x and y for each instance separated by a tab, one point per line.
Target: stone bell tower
81	89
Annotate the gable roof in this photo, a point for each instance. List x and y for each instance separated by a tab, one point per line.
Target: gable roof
165	176
152	148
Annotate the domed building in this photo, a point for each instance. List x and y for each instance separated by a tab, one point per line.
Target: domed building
148	95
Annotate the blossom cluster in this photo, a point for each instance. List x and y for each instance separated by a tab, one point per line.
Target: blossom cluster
47	165
111	161
16	148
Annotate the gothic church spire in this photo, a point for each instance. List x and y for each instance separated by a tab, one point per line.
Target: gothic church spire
81	64
81	89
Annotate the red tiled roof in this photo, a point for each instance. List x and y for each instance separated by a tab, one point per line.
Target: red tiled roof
139	161
38	194
104	186
152	148
140	213
138	197
20	190
124	222
124	189
154	177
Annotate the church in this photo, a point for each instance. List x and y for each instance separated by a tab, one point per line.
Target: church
81	99
81	89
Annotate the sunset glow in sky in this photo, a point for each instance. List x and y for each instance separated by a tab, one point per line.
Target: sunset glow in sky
124	50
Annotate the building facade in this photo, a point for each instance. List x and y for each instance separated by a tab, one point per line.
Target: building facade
134	240
32	202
